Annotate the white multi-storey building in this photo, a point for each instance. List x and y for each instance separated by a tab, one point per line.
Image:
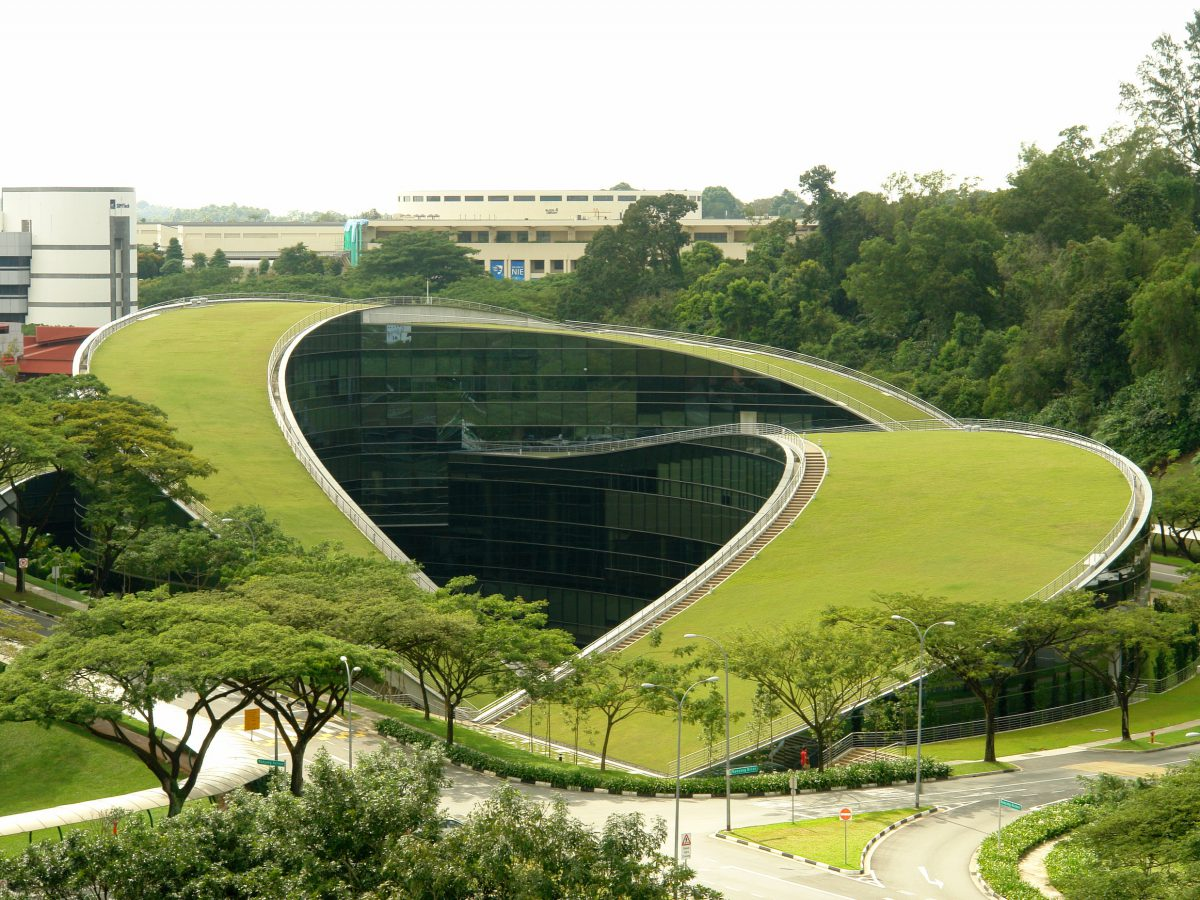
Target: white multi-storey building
67	254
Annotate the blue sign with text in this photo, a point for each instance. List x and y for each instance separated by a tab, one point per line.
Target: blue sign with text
516	270
497	268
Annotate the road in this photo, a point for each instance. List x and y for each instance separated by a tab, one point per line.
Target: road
925	860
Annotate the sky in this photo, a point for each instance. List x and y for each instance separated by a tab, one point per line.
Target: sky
343	106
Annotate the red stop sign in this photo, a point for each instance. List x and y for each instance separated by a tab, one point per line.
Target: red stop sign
845	814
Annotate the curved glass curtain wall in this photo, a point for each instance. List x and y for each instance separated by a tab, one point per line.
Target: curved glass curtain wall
400	415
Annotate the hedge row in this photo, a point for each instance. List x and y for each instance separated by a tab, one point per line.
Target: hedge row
884	771
998	865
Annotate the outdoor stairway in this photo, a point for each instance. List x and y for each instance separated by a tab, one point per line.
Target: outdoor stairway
814	472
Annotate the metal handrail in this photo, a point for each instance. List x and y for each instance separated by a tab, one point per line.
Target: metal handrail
571	448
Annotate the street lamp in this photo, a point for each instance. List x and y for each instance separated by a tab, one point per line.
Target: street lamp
250	531
725	658
920	692
678	739
350	673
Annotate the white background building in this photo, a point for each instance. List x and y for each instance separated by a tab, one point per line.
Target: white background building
72	250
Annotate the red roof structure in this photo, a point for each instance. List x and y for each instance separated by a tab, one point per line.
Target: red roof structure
50	350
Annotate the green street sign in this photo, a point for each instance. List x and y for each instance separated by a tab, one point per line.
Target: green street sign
744	770
273	762
1008	804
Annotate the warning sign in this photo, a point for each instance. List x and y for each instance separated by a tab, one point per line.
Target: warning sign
685	845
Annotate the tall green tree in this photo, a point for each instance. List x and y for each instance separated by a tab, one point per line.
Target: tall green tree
815	672
718	202
419	254
297	260
1166	96
124	657
611	686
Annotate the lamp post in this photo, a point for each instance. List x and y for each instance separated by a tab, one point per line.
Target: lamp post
250	531
725	659
350	673
679	699
920	692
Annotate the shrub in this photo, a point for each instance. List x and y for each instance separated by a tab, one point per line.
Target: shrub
998	862
883	771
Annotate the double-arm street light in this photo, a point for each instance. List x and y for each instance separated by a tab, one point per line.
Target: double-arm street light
920	691
725	659
679	699
350	673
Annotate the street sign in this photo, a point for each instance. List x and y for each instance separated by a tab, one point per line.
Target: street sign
845	815
252	717
685	846
23	562
273	762
1008	804
744	770
792	782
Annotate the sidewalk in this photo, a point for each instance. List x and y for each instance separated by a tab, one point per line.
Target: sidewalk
229	764
1091	745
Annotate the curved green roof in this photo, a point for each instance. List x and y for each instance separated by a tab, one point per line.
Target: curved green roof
970	514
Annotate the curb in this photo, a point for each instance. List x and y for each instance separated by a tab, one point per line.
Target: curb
31	609
1015	768
1146	750
863	856
983	886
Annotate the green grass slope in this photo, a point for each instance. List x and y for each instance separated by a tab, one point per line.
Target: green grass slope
970	515
43	767
206	367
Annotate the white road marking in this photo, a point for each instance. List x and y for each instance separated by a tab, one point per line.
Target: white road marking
938	884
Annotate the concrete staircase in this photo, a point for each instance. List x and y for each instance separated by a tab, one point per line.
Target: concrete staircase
814	472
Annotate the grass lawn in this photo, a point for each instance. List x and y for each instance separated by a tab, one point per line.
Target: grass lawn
206	367
29	598
975	768
946	513
42	767
1160	711
826	840
1161	739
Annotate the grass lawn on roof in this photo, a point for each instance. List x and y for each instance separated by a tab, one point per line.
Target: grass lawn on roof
970	515
206	367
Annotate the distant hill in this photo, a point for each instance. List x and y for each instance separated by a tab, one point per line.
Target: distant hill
231	212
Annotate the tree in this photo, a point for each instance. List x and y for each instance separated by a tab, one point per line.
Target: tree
174	251
651	226
990	643
1177	509
128	656
199	261
264	266
1117	645
31	444
719	203
484	640
219	260
612	686
419	254
150	261
1166	97
815	672
512	846
129	465
297	260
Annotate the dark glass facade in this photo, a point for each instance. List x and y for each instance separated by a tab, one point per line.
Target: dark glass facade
403	416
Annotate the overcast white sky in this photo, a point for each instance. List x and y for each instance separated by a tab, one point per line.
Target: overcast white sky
304	105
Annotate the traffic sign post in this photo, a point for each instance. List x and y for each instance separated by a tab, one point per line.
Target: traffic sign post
1000	807
846	815
685	846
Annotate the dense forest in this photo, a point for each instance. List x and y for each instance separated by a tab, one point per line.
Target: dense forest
1069	297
